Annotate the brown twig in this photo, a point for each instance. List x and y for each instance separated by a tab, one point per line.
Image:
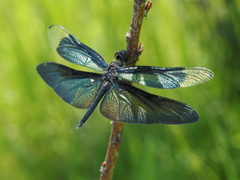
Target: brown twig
108	165
133	51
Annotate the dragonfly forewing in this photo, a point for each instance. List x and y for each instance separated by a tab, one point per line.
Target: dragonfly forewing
166	78
71	49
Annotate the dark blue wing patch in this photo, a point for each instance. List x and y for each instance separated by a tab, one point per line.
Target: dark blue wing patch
71	49
77	88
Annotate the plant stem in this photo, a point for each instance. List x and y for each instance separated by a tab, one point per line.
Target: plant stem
132	37
133	51
108	165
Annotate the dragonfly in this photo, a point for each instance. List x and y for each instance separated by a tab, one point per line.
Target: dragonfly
120	100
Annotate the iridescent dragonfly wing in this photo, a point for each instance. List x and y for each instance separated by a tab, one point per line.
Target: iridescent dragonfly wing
129	104
166	78
77	88
71	49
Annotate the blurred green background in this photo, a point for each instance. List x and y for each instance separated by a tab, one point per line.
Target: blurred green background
38	139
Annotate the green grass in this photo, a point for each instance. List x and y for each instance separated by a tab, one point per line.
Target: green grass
38	139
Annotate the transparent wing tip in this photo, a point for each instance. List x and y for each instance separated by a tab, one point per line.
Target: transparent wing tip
195	76
50	26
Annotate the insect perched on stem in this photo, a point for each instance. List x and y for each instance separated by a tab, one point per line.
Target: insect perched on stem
121	101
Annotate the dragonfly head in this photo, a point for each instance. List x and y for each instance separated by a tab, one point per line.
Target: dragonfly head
121	57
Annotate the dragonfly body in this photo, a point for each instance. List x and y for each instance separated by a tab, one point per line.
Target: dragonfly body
120	101
103	89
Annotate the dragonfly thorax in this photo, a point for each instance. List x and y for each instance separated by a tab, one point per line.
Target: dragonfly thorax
111	72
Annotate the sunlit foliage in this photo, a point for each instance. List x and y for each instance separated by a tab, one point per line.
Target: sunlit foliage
38	139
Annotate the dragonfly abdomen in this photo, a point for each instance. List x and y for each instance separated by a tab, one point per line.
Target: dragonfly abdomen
103	89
